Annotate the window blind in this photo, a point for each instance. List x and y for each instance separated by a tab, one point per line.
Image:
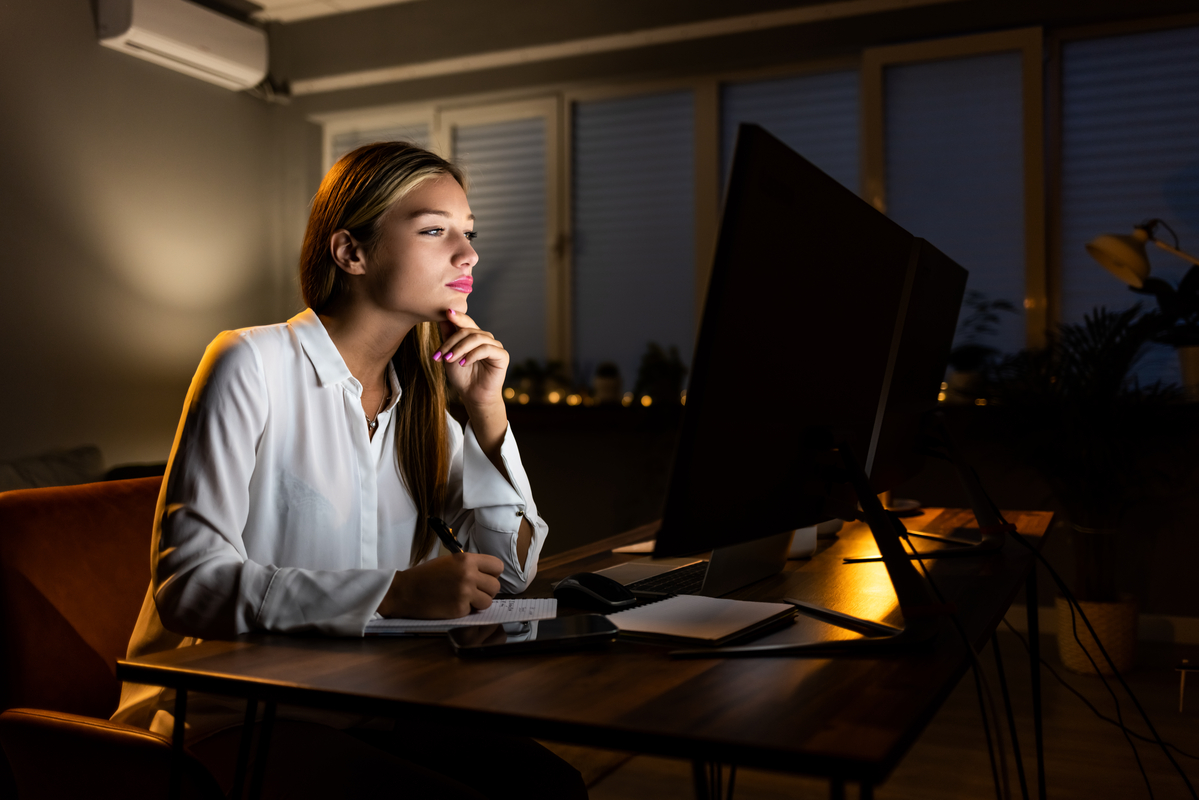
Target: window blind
505	163
351	140
1130	151
634	229
818	116
955	168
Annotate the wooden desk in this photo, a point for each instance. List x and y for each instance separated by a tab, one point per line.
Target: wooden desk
847	719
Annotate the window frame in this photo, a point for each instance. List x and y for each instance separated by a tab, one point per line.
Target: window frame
1040	49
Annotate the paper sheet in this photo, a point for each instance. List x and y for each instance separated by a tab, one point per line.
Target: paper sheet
514	610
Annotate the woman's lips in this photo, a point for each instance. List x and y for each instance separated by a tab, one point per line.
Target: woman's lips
462	285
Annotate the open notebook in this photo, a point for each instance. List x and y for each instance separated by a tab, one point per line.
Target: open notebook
693	619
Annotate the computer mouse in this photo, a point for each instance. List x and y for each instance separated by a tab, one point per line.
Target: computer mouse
593	592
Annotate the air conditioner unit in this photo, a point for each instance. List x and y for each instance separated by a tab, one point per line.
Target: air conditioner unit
187	38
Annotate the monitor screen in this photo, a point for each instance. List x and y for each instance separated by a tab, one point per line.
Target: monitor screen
800	337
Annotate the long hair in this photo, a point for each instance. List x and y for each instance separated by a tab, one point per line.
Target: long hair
354	196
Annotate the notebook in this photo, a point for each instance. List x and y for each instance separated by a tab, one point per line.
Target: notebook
694	619
500	611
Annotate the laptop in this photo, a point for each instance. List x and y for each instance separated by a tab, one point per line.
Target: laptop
728	569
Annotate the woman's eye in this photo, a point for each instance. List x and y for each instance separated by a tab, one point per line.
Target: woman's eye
471	236
434	232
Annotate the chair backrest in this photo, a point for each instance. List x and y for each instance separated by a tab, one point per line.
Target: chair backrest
74	567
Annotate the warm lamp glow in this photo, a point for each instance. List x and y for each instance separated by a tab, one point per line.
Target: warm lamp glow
573	399
554	397
524	399
509	393
941	397
1123	256
980	401
627	400
647	401
683	397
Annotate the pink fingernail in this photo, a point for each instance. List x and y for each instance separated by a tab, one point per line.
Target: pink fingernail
449	356
452	312
437	356
462	363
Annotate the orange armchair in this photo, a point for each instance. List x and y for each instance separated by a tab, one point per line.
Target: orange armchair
74	566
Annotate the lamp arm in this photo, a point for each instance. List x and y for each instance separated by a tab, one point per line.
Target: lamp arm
1177	252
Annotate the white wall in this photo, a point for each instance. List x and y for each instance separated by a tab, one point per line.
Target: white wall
142	211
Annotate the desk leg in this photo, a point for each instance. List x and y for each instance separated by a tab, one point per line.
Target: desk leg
264	744
836	789
243	750
867	791
175	786
1034	658
699	779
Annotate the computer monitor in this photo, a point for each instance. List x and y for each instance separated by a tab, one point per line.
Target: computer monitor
822	316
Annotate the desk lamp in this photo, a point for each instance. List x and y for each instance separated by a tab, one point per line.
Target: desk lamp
1124	256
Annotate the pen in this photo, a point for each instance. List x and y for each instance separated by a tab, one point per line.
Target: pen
446	534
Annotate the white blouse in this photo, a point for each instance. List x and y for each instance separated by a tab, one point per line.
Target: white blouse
280	513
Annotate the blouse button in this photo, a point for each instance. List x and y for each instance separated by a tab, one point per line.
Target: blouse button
520	513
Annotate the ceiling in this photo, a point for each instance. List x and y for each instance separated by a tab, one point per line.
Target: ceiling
292	10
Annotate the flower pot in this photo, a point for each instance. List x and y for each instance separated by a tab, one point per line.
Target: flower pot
1116	625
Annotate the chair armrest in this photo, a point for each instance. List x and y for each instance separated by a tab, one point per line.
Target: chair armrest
54	754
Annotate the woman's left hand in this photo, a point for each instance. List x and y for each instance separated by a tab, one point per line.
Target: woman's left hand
475	362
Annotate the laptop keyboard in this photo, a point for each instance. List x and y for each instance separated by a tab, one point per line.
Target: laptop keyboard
684	580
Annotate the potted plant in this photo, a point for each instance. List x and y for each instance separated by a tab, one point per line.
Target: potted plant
1103	442
660	375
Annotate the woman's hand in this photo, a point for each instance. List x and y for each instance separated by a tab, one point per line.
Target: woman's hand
475	363
444	588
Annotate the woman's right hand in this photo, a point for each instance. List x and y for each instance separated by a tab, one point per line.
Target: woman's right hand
444	588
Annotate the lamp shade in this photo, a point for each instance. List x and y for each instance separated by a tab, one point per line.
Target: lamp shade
1123	256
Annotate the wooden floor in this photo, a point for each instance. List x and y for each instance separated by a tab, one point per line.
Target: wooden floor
1085	757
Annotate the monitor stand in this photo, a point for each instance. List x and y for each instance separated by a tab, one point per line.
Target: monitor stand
739	565
920	610
992	530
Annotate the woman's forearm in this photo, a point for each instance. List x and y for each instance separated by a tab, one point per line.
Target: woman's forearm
490	423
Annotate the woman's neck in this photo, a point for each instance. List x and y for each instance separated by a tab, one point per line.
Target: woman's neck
366	340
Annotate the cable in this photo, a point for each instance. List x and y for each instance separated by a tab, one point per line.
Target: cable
1011	718
1061	584
999	772
1088	703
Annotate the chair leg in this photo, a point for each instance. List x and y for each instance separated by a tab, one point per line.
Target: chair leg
175	786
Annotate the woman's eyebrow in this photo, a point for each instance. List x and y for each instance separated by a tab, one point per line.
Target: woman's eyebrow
421	212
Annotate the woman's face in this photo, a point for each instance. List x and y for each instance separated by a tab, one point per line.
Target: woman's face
423	256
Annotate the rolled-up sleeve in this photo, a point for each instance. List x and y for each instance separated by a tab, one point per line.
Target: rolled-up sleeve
492	506
203	581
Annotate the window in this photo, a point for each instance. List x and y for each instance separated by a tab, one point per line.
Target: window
1130	152
505	162
816	115
957	161
342	143
633	188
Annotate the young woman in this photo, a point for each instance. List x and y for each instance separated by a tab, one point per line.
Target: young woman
308	458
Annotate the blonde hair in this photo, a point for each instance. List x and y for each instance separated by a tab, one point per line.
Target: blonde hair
354	196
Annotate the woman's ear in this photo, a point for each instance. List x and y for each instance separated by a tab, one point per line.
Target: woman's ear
347	253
